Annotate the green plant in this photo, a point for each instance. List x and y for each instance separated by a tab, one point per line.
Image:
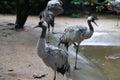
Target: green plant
84	2
77	2
99	8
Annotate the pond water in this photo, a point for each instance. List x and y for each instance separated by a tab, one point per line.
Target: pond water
107	58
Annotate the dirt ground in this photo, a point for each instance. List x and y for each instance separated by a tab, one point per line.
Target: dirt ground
18	57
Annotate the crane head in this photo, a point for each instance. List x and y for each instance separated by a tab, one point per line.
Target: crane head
41	24
92	19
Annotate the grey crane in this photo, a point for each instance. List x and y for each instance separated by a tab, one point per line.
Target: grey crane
114	6
76	34
52	56
49	17
55	6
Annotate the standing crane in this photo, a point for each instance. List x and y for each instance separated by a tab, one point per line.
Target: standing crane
49	17
52	56
54	8
76	34
114	6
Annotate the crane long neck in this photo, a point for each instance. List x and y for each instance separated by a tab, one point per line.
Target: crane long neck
90	26
41	45
43	34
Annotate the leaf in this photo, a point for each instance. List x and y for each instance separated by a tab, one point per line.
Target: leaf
99	8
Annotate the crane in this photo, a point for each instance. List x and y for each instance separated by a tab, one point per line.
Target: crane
76	34
52	56
114	6
49	17
55	6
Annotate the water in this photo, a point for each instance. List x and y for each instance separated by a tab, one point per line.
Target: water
107	58
103	49
103	39
88	71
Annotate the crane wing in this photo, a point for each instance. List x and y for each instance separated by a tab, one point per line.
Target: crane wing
73	31
56	57
76	28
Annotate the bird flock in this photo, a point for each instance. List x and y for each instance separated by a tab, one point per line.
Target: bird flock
57	57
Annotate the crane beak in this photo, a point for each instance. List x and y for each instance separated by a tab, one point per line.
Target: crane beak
95	23
35	27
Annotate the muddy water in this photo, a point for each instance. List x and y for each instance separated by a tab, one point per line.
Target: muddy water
107	58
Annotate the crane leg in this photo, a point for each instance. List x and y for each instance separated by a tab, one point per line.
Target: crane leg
52	27
54	76
117	20
48	33
76	61
52	30
76	68
66	45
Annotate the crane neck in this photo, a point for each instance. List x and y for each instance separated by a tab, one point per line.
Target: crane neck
41	44
43	34
90	26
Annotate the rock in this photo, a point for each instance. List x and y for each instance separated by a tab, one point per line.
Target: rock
39	76
10	70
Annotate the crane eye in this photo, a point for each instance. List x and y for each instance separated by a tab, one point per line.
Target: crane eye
93	20
40	23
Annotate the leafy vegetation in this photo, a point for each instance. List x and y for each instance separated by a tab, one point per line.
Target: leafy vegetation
71	6
9	6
